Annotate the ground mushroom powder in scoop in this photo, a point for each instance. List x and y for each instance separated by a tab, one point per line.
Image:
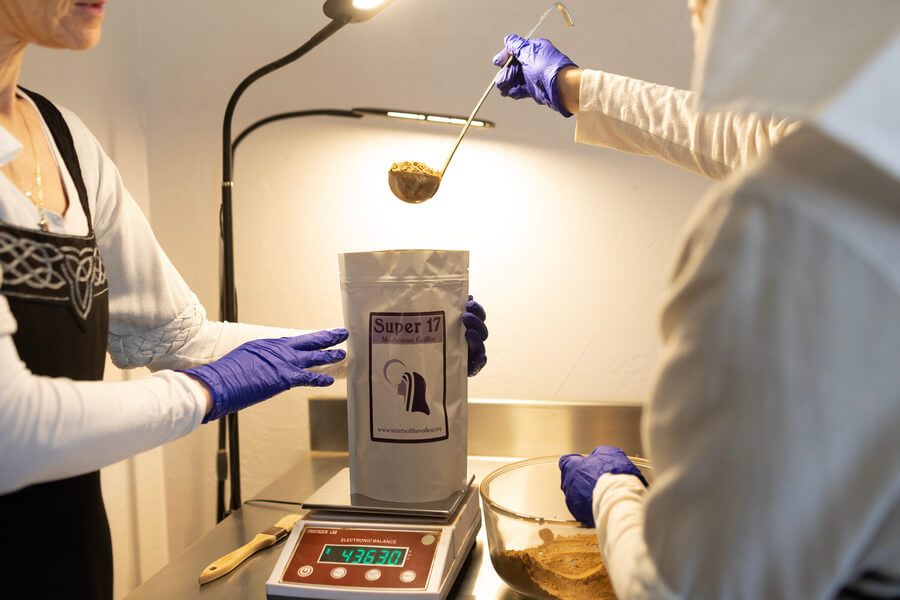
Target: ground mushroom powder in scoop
562	568
410	166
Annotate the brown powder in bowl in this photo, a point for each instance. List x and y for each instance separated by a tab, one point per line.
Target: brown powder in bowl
414	167
564	568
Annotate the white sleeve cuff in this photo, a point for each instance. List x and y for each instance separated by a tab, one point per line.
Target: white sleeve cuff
618	504
141	349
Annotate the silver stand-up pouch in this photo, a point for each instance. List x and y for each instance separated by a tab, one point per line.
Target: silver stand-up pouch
406	374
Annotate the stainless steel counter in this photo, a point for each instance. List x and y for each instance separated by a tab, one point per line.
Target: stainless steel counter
514	429
178	579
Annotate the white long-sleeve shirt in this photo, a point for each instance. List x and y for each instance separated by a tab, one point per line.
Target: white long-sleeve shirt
52	427
660	121
773	423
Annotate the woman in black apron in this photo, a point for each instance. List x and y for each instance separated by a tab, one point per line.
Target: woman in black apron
62	332
56	289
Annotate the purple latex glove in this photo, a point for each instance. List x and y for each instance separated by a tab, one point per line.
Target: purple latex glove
258	370
533	72
580	475
476	333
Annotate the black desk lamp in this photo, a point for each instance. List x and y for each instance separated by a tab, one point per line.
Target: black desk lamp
340	12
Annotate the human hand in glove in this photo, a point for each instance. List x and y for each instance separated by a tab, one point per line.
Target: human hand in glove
258	370
580	475
476	333
534	72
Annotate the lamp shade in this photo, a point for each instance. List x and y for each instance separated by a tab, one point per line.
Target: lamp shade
354	11
422	116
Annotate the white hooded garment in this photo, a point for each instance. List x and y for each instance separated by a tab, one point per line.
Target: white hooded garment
831	62
774	425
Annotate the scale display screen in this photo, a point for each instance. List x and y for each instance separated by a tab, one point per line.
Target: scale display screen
363	555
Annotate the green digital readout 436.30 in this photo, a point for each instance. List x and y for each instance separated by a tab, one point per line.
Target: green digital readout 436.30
364	555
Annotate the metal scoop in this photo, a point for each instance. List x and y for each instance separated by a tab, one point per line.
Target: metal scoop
416	186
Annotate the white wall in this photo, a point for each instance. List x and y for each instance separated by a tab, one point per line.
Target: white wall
569	244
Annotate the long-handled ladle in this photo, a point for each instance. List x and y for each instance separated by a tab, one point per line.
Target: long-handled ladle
415	182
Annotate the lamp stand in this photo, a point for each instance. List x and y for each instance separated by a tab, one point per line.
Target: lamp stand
228	464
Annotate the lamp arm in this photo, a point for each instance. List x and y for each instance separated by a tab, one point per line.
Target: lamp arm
229	304
332	112
314	41
229	299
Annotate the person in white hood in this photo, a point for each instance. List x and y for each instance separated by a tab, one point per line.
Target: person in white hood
773	423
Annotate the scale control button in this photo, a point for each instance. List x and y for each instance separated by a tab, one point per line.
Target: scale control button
305	571
407	576
428	540
338	572
373	574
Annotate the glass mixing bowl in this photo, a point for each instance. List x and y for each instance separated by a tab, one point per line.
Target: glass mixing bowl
524	508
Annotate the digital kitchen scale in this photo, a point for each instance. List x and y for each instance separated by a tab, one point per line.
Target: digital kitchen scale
353	547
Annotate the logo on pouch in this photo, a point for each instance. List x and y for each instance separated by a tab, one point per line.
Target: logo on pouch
410	386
